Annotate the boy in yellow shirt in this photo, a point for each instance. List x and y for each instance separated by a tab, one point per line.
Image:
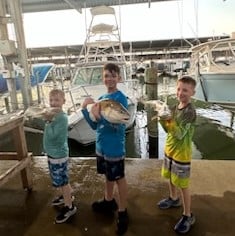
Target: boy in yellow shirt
179	127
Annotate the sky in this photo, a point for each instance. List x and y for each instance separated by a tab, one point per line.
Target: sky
163	20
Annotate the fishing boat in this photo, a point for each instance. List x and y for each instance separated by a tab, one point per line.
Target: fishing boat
212	64
103	44
39	74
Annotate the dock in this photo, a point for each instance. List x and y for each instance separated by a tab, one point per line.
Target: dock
29	213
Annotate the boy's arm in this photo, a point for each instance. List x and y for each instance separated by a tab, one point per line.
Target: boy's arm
176	130
86	115
181	128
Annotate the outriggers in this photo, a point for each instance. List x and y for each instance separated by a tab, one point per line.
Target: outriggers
212	64
103	44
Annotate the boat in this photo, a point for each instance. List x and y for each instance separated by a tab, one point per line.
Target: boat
103	44
212	64
39	74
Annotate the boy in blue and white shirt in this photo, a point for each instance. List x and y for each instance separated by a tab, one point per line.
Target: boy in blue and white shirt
110	149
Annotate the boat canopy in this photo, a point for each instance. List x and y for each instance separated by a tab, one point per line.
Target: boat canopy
101	10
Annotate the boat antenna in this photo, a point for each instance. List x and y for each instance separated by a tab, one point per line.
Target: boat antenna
196	16
180	16
119	6
86	28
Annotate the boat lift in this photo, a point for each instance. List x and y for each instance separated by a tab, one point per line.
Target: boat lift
14	51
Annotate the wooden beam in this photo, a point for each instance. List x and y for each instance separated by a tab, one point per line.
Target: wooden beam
20	166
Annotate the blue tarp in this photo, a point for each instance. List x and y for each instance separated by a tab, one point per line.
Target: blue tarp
39	75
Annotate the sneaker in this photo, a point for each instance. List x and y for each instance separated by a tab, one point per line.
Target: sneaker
169	203
65	214
122	222
60	200
104	206
184	224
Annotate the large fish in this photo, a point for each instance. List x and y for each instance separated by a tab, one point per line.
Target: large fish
113	111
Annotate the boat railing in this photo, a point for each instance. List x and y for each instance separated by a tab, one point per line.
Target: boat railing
133	88
75	96
215	56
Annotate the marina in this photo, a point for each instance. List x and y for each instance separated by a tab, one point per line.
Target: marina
150	70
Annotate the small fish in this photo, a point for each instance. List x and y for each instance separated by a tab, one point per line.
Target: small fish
161	107
113	111
47	113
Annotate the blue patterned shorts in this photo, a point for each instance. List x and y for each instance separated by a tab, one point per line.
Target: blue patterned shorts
58	171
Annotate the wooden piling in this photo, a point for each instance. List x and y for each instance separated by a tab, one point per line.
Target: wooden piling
151	77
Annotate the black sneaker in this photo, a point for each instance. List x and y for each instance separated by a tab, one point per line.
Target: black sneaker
122	222
104	206
184	224
65	214
60	200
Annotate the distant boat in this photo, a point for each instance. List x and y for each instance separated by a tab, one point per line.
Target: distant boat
102	45
212	65
39	75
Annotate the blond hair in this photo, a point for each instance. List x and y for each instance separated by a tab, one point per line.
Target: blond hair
59	92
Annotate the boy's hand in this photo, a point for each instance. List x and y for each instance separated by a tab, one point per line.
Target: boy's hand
95	112
165	117
51	112
164	113
87	101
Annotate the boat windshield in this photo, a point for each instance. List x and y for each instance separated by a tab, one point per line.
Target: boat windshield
224	53
92	76
88	75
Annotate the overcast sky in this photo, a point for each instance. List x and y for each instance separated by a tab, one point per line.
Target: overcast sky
163	20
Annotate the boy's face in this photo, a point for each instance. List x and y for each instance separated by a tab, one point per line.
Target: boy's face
56	100
184	91
110	79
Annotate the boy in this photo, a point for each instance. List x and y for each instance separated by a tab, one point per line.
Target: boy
178	152
55	143
110	149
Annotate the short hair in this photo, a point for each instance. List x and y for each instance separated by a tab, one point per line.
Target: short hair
112	67
59	92
188	80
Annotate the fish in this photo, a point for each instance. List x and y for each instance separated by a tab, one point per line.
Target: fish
112	111
40	112
162	109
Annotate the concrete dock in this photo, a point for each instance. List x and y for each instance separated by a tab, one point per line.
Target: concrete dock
24	213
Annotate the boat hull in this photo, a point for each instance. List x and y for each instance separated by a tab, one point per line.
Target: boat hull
216	88
79	129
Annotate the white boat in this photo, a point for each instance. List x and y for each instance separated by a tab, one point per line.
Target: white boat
102	45
212	64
